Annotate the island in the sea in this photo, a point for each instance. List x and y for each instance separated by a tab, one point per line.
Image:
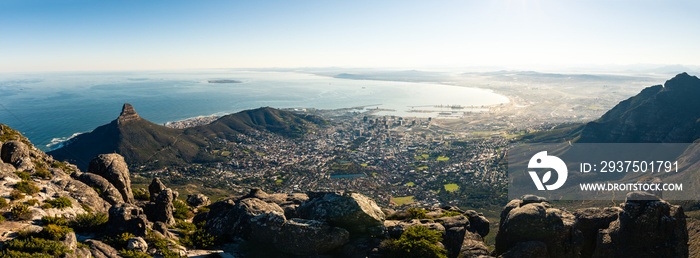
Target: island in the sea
224	81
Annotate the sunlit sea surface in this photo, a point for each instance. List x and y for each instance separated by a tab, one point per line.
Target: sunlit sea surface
52	107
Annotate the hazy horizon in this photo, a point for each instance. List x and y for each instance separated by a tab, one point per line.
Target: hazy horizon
77	35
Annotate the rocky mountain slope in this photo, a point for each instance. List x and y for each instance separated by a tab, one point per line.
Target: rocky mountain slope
144	143
668	113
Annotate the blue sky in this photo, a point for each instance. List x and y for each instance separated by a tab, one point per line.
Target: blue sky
60	35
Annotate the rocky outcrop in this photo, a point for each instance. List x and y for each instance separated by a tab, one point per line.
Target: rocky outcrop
82	193
162	208
17	154
647	227
113	168
155	188
233	219
124	217
197	200
354	212
105	189
128	113
590	221
137	244
533	219
310	237
98	249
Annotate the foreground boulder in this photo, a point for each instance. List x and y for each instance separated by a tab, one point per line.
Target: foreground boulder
592	220
533	219
162	208
354	212
98	249
113	168
234	219
107	191
310	237
647	227
125	217
17	154
197	200
155	188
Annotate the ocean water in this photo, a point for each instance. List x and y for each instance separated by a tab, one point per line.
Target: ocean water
51	107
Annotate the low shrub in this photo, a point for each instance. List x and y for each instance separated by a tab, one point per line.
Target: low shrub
32	202
27	187
414	213
3	202
62	166
449	214
18	254
60	202
182	210
86	207
23	175
55	220
46	206
16	195
54	232
140	194
199	239
416	241
161	245
89	222
21	212
42	173
35	246
2	218
119	241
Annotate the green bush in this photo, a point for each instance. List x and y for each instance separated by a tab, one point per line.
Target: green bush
203	209
60	202
54	232
199	239
86	207
26	233
2	218
16	195
89	222
133	254
141	194
46	206
21	212
417	241
185	226
36	245
62	166
450	214
23	175
27	187
55	220
119	241
414	213
42	173
182	210
18	254
3	202
32	202
161	245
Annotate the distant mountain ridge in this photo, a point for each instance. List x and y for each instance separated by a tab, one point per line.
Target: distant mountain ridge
658	114
142	142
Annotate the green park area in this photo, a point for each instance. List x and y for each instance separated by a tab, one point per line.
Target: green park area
402	200
451	187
